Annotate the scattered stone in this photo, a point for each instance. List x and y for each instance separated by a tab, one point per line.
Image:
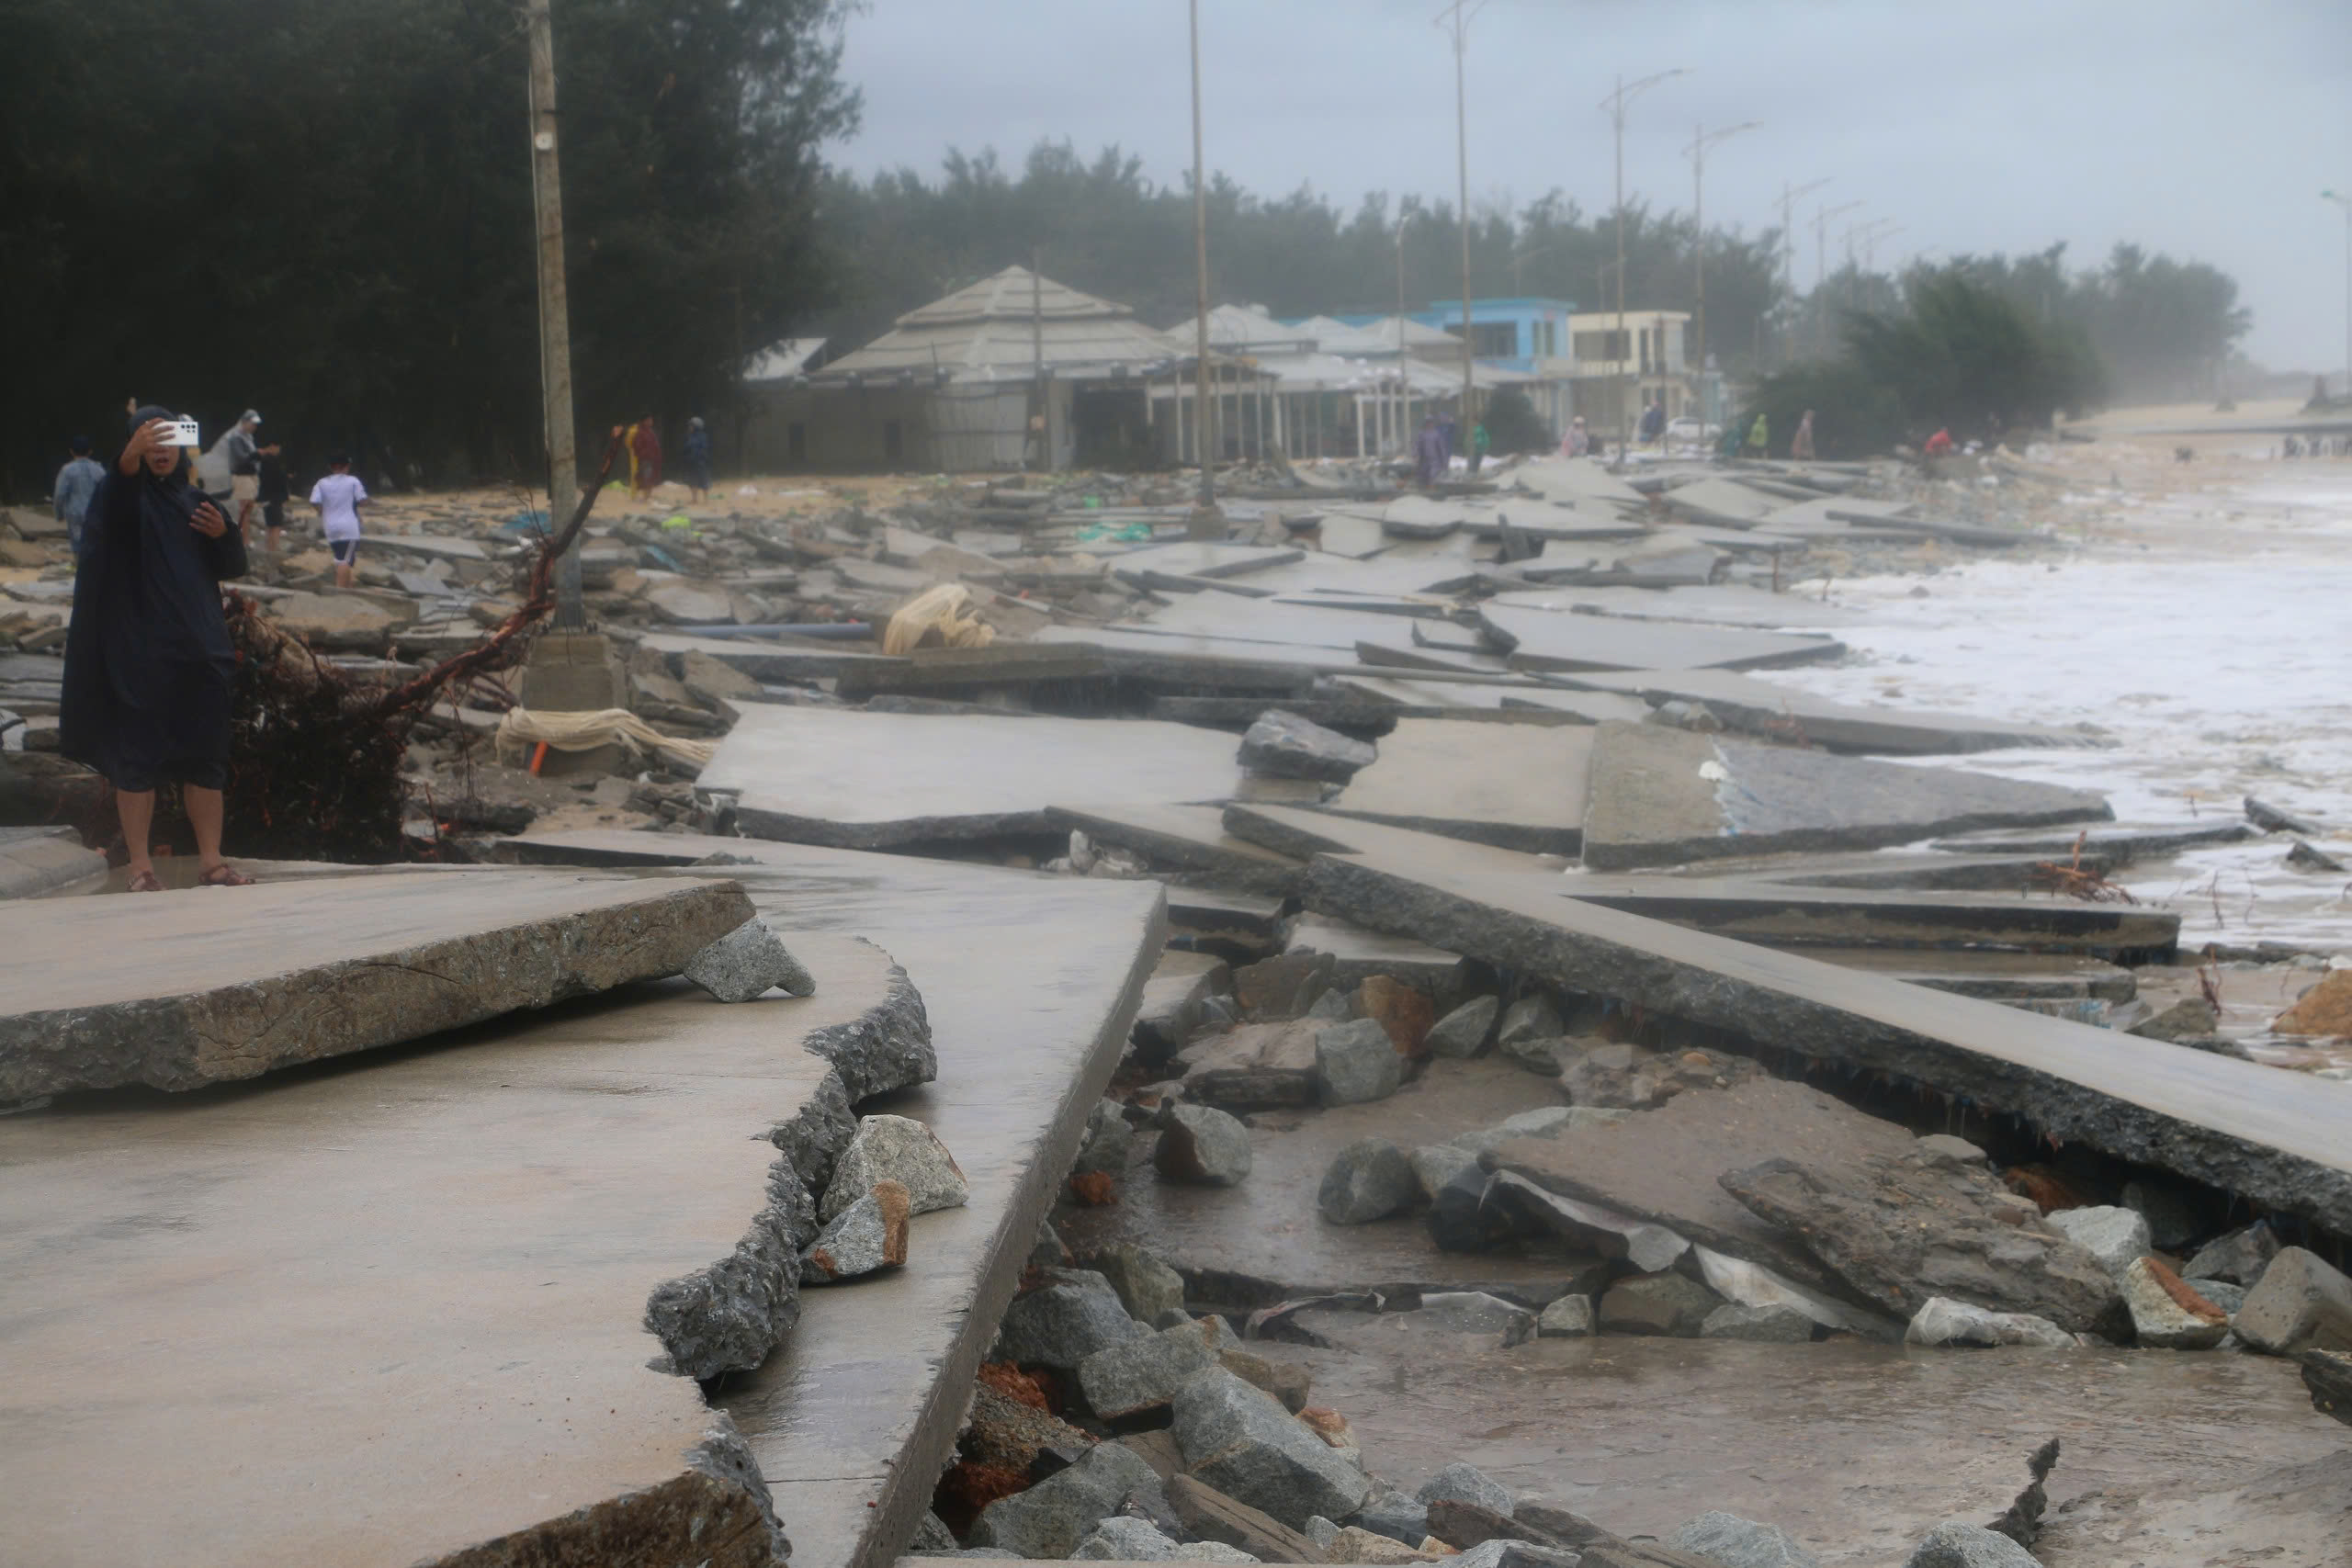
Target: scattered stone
2021	1521
2328	1374
1357	1544
1158	1446
746	964
2239	1257
931	1534
1213	1551
813	1139
2114	1235
1741	1543
1050	1519
1679	713
1109	1138
2171	1213
1564	1317
1125	1380
2270	819
1009	1434
869	1235
1668	1303
1614	1076
2165	1313
1461	1220
1286	1380
2300	1304
1201	1146
1399	1515
1257	1066
1289	747
1942	1149
2324	1009
2192	1020
1322	1532
1774	1324
1900	1230
1242	1441
1369	1179
1957	1544
1434	1164
1532	1017
1334	1007
1502	1553
712	683
1537	1054
1147	1286
1355	1063
1474	1312
1213	1516
1120	1538
2221	1293
1405	1013
1467	1483
1462	1032
896	1148
2303	857
1942	1321
1284	986
1063	1322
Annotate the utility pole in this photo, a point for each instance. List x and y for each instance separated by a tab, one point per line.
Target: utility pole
1821	217
555	314
1789	195
1459	16
1701	140
2345	202
1613	105
1206	521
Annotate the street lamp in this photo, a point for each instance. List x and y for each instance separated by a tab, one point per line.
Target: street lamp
1789	195
1821	217
1206	521
2345	202
1613	105
1458	16
1701	139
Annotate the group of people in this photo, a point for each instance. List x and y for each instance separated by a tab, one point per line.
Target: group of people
642	442
1433	448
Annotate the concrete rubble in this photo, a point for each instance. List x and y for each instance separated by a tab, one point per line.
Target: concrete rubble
1406	937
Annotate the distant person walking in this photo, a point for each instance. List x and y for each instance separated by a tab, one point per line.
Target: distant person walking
1801	443
1652	427
245	471
339	495
148	660
271	470
1578	441
697	460
1759	435
1480	445
1938	445
645	458
1445	433
1429	453
76	483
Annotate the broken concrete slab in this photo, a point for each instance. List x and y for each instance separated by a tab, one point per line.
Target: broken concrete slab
36	863
1518	788
1542	639
1258	1243
1761	707
2227	1123
1357	955
1991	975
1287	746
349	963
1187	839
1303	835
862	780
1193	559
1667	796
636	1113
1256	1066
1720	604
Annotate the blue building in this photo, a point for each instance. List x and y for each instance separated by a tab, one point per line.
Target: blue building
1526	339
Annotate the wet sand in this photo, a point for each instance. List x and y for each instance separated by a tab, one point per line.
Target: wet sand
2171	1461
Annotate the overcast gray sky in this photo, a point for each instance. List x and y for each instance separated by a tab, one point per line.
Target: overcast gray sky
2206	129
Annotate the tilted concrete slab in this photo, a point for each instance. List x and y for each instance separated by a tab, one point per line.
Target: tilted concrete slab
179	989
1518	787
391	1309
1544	640
1783	914
1663	796
1991	975
1435	699
1197	559
775	661
868	781
1255	1244
1188	839
1303	834
1759	707
1722	604
2235	1126
36	863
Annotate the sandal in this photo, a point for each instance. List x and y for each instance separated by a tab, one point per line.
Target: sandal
224	875
144	881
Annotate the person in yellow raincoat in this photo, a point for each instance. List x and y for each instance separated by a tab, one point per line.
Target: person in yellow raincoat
1759	435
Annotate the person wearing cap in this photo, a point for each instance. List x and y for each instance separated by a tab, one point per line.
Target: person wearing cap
148	662
244	470
77	481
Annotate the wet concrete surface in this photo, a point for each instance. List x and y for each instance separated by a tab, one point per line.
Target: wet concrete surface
1252	1245
2171	1459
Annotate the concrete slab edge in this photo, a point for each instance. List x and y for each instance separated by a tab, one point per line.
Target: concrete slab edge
758	822
2059	1109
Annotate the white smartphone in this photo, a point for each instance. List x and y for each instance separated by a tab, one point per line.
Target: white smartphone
182	433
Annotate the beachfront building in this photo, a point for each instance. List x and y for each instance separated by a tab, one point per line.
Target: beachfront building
1528	337
1616	372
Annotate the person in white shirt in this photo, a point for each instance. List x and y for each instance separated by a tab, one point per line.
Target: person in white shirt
339	495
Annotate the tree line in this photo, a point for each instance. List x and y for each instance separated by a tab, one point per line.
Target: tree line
321	208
